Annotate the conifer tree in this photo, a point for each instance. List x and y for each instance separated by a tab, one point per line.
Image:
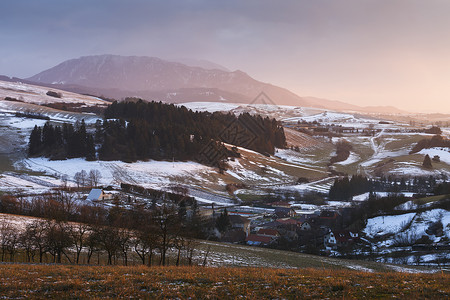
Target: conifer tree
427	162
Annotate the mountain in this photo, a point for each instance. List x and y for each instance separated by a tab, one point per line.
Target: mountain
157	79
202	63
152	78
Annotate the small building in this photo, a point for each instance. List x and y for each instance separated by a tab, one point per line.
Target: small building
329	240
280	204
269	232
258	240
284	212
234	236
98	195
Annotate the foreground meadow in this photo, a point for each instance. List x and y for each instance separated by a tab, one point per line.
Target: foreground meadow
75	282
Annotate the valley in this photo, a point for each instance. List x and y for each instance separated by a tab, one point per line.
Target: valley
250	182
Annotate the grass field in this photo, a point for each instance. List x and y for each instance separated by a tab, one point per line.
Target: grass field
19	281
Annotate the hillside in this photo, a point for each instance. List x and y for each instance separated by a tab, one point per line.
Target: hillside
19	281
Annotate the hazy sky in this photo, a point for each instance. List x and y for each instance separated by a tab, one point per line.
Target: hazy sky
366	52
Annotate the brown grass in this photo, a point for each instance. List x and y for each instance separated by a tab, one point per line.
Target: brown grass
70	282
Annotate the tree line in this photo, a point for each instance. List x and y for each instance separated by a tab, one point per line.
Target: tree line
136	130
345	188
165	131
114	233
61	142
435	141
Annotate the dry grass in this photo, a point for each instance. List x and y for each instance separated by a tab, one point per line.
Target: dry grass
80	282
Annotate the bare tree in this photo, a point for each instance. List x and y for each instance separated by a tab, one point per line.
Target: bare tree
64	179
93	243
145	242
108	240
78	233
167	225
58	240
68	202
81	178
6	235
94	177
27	243
77	179
124	241
37	234
189	246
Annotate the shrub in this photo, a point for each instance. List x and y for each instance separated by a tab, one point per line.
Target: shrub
54	94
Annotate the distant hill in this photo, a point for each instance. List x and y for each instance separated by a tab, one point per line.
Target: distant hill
186	80
157	79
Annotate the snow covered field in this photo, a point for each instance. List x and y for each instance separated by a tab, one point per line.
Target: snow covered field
37	95
409	224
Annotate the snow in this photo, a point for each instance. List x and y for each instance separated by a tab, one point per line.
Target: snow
148	174
410	224
37	95
17	222
352	158
210	106
383	225
293	156
365	196
26	123
443	153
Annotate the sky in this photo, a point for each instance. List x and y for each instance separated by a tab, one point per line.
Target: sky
364	52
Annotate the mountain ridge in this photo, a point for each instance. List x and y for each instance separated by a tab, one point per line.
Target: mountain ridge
152	78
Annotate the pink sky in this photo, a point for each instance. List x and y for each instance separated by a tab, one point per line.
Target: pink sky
366	52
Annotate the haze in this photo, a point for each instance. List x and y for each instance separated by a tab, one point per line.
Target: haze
364	52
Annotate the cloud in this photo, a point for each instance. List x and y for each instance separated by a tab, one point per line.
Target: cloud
347	50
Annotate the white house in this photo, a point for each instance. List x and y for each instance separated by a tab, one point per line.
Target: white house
98	195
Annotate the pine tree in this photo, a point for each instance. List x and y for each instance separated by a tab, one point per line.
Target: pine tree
35	143
223	221
427	162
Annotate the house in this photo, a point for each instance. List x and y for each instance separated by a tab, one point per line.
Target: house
234	236
280	204
284	212
98	195
329	218
239	222
345	237
269	232
258	240
329	240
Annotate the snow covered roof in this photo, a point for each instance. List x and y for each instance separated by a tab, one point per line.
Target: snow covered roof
94	194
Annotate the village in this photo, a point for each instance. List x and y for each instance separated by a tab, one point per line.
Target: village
280	224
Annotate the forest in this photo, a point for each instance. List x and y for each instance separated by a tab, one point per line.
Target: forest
137	130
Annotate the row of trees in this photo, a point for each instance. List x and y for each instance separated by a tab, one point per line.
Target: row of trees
435	141
345	188
113	232
343	149
83	178
58	142
80	243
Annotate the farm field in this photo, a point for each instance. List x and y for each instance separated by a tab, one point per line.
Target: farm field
82	282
